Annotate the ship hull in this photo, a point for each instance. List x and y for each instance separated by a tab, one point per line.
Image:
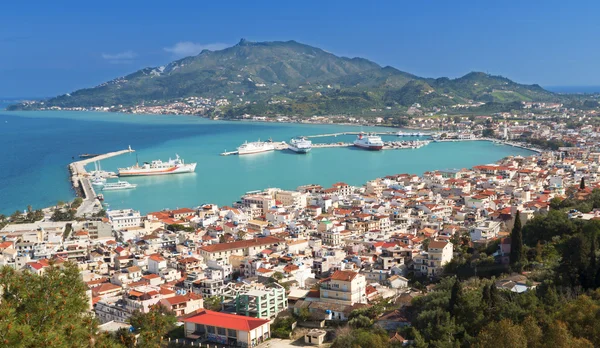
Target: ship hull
251	152
187	168
301	150
369	147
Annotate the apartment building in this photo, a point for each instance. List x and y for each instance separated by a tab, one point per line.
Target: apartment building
344	287
251	247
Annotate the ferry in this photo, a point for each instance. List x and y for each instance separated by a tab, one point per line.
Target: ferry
369	142
119	185
255	147
158	167
300	145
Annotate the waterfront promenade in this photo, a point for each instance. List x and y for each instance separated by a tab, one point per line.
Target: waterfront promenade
82	184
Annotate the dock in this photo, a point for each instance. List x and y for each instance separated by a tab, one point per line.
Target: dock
82	183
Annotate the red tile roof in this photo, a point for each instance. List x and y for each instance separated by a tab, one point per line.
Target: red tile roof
344	275
224	320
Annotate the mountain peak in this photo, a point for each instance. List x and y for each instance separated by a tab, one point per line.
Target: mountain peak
243	42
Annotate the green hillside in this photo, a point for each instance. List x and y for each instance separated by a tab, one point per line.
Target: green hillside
313	81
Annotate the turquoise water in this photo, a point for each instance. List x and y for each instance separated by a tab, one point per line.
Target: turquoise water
38	146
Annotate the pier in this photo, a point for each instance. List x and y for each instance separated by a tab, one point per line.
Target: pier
355	133
82	184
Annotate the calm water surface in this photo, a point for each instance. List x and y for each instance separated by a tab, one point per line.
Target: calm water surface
36	147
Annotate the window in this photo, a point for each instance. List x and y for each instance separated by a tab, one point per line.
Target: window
232	333
221	331
210	329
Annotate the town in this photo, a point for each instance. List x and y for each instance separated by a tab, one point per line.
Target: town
237	274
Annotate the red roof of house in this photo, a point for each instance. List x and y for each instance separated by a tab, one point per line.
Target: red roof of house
344	275
224	320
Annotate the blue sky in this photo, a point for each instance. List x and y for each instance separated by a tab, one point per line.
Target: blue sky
53	47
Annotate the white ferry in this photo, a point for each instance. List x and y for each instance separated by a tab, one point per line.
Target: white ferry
158	167
119	185
255	147
300	145
369	142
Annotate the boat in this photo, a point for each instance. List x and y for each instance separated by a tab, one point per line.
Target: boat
300	145
158	167
98	181
400	134
119	185
369	141
255	147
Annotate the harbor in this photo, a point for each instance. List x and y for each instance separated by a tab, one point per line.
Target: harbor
80	180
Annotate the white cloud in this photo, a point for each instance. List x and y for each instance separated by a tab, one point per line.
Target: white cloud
188	48
120	58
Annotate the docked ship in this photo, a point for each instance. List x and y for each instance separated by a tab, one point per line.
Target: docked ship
255	147
119	185
300	145
158	167
369	141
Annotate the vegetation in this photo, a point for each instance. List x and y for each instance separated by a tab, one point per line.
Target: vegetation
282	327
50	310
153	326
559	251
213	303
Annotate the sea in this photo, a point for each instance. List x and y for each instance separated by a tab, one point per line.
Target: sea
37	146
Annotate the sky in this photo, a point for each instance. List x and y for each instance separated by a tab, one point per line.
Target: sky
54	47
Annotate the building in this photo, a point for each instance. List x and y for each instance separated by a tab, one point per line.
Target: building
344	287
438	255
486	231
254	301
120	219
251	247
227	329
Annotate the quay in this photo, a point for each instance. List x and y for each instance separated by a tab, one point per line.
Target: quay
82	184
354	133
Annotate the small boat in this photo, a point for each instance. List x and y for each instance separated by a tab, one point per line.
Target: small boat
119	185
98	181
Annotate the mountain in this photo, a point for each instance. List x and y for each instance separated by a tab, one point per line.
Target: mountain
307	79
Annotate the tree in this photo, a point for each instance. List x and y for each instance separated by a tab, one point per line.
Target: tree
582	184
153	326
502	334
455	297
360	322
212	303
48	310
516	244
487	133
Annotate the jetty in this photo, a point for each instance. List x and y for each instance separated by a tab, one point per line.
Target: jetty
80	179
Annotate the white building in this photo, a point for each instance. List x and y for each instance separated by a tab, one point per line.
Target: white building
120	219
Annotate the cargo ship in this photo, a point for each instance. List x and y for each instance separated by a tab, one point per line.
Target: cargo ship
158	167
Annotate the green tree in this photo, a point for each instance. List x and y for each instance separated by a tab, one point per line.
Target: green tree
455	297
50	310
516	244
582	184
503	334
213	303
487	133
153	326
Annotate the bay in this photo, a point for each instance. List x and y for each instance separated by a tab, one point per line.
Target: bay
36	147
